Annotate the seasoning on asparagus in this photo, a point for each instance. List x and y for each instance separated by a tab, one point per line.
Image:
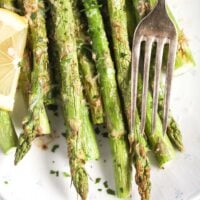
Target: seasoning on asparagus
87	67
80	134
122	53
35	12
111	102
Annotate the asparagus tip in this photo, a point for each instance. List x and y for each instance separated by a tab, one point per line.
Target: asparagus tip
22	148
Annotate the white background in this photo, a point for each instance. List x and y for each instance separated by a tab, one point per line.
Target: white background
180	180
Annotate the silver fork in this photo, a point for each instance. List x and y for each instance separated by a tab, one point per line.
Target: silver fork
157	28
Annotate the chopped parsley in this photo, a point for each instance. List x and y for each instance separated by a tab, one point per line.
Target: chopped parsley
54	172
97	180
105	184
110	191
56	146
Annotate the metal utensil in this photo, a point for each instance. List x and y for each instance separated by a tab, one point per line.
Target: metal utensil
157	28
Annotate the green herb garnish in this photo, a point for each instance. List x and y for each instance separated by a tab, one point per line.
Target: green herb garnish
54	172
105	184
97	180
110	191
56	146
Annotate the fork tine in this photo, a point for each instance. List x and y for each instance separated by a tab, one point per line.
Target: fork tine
168	81
147	59
158	65
134	77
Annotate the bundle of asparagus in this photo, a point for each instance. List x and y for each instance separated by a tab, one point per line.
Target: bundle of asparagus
90	54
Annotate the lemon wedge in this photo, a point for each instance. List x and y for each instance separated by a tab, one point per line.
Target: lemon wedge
13	36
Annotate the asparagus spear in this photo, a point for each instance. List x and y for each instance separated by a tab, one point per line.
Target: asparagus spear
89	140
184	54
25	75
48	90
89	81
37	114
110	98
173	130
81	138
8	137
161	146
118	21
87	67
131	22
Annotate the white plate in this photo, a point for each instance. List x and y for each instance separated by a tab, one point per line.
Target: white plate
180	180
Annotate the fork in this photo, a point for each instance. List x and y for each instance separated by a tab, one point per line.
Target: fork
156	28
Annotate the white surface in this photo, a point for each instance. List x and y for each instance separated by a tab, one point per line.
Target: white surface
180	180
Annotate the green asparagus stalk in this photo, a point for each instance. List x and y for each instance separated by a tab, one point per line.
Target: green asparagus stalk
173	130
8	137
25	75
112	107
161	146
184	54
53	54
26	67
89	81
89	140
118	21
48	89
131	22
87	67
39	76
81	138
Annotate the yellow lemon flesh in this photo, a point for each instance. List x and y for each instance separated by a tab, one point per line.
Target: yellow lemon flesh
13	35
